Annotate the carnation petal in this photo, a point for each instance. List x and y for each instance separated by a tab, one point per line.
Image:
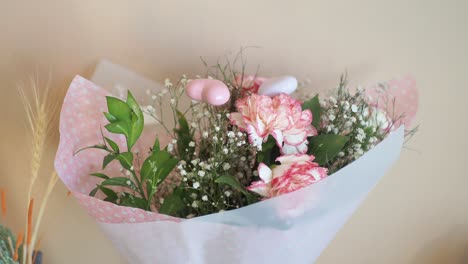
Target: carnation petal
287	159
260	187
237	120
265	173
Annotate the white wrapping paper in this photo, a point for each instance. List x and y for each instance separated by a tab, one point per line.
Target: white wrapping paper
293	228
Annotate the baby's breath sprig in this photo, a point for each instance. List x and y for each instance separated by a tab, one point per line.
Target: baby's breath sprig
350	114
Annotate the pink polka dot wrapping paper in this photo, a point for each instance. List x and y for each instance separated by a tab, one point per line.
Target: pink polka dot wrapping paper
292	228
81	121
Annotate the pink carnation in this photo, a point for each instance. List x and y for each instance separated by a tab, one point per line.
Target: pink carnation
280	116
295	172
249	83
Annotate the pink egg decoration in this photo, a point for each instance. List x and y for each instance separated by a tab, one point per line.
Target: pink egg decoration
195	88
210	91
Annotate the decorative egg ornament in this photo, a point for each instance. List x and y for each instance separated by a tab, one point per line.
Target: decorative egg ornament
210	91
284	84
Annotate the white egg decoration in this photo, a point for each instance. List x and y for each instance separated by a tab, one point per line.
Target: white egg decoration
273	86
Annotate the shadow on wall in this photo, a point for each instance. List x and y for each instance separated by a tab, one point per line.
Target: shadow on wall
450	248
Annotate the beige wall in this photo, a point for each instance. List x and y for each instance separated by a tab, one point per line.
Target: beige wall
417	214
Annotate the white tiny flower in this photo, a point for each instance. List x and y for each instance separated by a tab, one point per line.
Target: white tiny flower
205	134
161	200
335	130
365	112
183	172
227	193
360	137
191	144
194	162
167	82
204	198
174	141
331	117
231	134
215	139
194	204
255	173
346	105
226	166
150	109
170	147
194	125
240	134
354	108
128	182
243	158
201	173
196	185
154	97
132	168
217	128
173	101
341	154
207	113
323	103
353	119
332	100
225	150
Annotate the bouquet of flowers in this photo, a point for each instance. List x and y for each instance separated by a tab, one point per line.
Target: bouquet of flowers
228	167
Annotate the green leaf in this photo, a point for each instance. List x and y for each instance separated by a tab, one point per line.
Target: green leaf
137	121
108	159
119	181
157	167
131	200
118	109
100	175
184	136
112	144
269	153
110	117
93	192
101	146
231	181
156	145
126	160
173	204
111	195
314	106
235	184
326	147
118	127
